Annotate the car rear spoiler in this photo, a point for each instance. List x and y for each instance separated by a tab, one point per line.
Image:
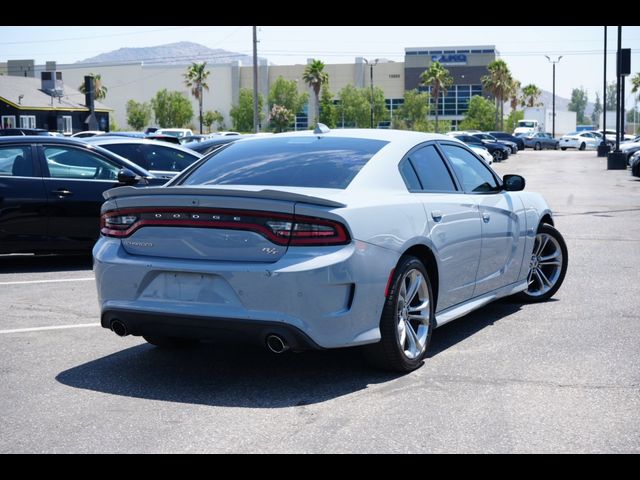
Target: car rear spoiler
121	192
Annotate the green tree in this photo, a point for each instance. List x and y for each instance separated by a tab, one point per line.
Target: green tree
99	90
514	95
328	110
315	76
413	113
512	120
498	82
480	115
611	96
355	106
113	126
242	113
196	79
280	117
635	84
439	79
211	117
138	114
530	95
597	110
578	103
171	109
285	93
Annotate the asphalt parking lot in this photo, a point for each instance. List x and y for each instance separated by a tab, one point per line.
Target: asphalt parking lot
563	376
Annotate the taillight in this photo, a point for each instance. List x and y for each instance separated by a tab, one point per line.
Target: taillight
281	229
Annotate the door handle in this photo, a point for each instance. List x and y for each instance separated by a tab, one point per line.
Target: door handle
436	215
486	217
62	192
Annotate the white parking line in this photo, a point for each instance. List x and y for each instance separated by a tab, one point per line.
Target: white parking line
60	280
57	327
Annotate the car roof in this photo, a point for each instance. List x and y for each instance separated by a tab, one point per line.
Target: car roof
106	140
41	139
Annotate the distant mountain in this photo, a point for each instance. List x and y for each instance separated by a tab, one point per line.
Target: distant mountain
180	53
562	104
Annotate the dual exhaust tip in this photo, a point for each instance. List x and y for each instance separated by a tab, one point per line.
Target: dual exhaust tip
275	343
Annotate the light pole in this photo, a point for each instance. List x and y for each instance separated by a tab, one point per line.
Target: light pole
553	114
371	65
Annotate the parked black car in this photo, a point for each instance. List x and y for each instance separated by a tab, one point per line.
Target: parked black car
512	146
207	146
23	131
507	136
497	150
540	141
51	192
162	159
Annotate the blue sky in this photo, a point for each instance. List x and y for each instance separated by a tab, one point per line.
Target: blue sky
524	48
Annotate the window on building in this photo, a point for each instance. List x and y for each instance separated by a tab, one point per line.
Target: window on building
27	121
67	124
8	121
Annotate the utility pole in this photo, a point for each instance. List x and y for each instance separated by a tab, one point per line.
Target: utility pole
255	80
553	108
603	148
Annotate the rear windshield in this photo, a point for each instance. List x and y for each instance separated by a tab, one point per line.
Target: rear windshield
319	162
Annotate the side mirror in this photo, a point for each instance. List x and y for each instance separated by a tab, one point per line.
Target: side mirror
127	177
513	183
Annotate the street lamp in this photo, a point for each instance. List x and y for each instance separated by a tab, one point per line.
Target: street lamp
553	120
371	65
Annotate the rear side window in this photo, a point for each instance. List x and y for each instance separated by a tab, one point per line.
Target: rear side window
432	172
318	162
16	162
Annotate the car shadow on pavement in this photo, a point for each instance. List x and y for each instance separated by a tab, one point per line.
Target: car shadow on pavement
44	263
452	333
227	375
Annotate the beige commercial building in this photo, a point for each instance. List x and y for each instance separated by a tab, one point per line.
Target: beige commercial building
140	81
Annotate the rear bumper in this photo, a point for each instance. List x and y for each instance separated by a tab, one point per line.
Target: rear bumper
332	296
203	328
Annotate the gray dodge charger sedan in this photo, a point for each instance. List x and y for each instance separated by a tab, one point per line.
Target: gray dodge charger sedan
325	239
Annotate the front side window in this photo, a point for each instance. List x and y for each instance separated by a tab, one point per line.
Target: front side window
16	162
74	163
313	161
472	172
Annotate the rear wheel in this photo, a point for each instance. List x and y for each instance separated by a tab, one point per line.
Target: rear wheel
582	146
563	148
556	146
547	265
169	342
407	319
497	155
537	146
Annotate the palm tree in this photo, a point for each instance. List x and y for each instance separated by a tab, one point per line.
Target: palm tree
315	76
530	95
497	82
196	78
514	94
439	79
635	81
99	90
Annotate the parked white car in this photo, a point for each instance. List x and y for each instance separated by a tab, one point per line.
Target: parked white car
483	152
580	140
174	132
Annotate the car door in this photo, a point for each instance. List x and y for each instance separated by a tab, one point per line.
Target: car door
23	201
75	179
454	222
502	216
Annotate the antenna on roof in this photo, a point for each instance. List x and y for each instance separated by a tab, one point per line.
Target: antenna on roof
321	128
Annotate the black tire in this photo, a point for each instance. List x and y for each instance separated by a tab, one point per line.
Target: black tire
497	155
389	354
536	290
563	148
169	342
556	146
582	146
537	146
